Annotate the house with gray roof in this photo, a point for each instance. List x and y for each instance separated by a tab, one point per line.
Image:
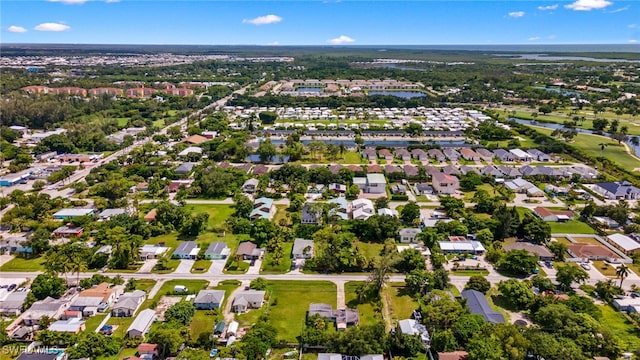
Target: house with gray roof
128	303
311	213
419	154
412	327
390	169
186	250
141	324
376	184
343	318
408	235
185	168
249	250
341	208
509	172
490	170
72	326
402	154
369	154
49	307
485	154
465	169
251	185
437	155
217	251
451	154
209	299
477	304
329	356
504	155
621	190
13	304
248	299
107	214
302	249
423	189
411	170
538	155
451	170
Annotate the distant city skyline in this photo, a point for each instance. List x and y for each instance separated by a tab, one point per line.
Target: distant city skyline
329	22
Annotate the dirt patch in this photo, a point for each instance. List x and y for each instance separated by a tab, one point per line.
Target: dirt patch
165	303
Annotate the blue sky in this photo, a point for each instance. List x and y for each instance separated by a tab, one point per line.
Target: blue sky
306	22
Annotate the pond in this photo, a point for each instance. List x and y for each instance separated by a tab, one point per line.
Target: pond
400	94
546	57
309	90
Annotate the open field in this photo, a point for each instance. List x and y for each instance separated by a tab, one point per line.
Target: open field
145	284
571	227
218	213
604	268
401	304
22	264
370	250
620	326
290	302
367	310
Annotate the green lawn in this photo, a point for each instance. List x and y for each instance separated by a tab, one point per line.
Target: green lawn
205	320
370	250
369	311
571	227
590	144
470	272
281	213
218	213
401	304
172	264
201	266
268	265
145	284
604	268
122	324
22	264
193	286
621	327
290	302
92	323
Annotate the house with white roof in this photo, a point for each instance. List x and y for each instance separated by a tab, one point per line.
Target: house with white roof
190	150
362	209
142	323
72	326
148	251
409	235
412	327
521	155
186	250
66	214
460	247
624	243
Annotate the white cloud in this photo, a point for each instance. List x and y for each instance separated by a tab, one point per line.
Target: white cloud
16	29
263	20
70	2
633	41
548	7
625	8
273	43
52	27
111	1
342	39
588	5
534	38
516	14
632	26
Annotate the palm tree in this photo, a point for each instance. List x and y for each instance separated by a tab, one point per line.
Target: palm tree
622	272
78	265
602	147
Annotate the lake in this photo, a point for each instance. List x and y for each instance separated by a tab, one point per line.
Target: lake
546	57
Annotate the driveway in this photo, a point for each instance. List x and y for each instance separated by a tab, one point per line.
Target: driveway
184	267
148	266
255	269
216	267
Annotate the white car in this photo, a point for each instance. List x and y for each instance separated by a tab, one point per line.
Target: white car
585	266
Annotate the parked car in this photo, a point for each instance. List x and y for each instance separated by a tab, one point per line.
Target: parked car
12	287
585	266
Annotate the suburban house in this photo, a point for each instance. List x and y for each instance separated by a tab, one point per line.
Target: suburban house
302	249
621	190
95	299
141	324
13	303
186	250
151	215
148	351
521	155
263	208
398	189
385	154
217	251
249	251
624	243
107	214
553	215
445	184
209	299
195	139
491	170
338	188
128	303
341	208
66	214
606	222
538	251
376	183
369	154
248	299
504	155
469	154
451	154
402	154
48	307
362	209
67	231
388	212
343	318
15	245
191	150
408	235
148	251
627	304
251	185
521	186
311	213
411	171
423	189
412	327
185	168
461	246
538	155
485	154
419	154
509	172
437	155
477	304
71	326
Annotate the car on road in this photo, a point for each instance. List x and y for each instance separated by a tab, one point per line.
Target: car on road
12	287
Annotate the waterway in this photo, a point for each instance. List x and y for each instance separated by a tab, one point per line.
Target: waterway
400	94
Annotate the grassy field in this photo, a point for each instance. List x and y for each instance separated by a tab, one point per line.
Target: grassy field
590	145
92	323
290	302
571	227
193	286
401	304
145	284
604	268
201	266
370	250
586	240
22	264
268	265
368	310
470	272
620	326
218	213
468	195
